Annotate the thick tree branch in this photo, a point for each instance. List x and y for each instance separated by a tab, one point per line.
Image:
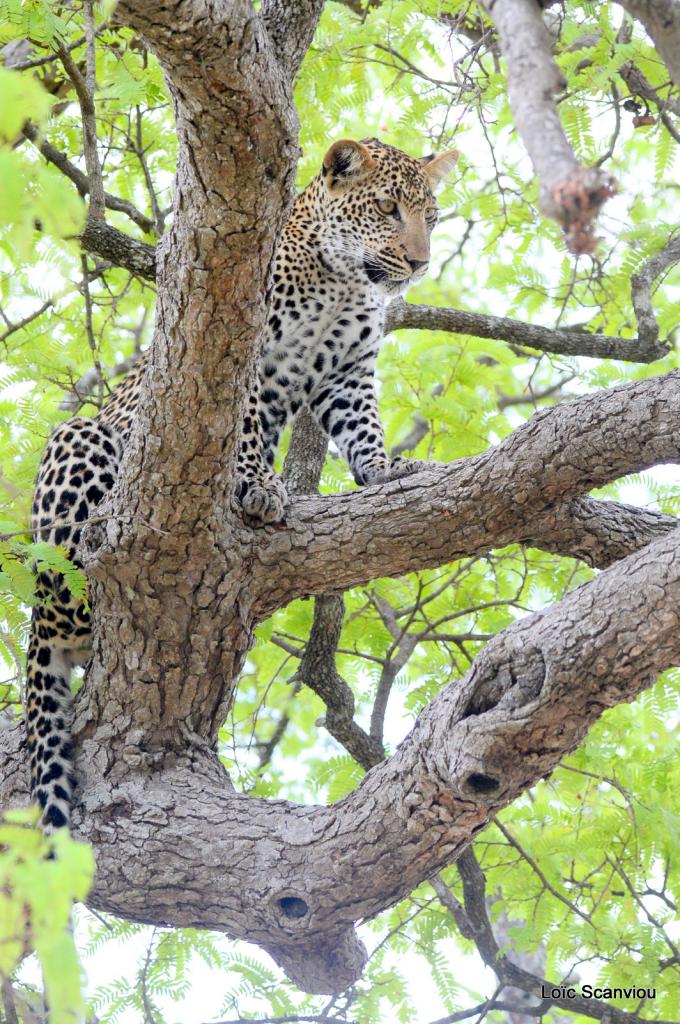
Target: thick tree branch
317	670
661	19
570	193
119	249
84	88
469	506
287	874
598	532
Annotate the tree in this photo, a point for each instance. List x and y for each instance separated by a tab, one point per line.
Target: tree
179	582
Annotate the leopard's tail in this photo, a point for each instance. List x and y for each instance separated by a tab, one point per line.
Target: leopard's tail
49	715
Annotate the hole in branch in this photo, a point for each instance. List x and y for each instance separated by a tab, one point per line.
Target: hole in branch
482	783
293	906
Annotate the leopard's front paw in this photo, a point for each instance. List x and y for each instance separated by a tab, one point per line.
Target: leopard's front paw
265	500
404	467
394	470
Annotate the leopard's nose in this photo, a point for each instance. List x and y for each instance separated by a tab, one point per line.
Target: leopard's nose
416	264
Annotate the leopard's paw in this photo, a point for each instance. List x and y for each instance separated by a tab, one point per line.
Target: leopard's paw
400	467
264	501
394	470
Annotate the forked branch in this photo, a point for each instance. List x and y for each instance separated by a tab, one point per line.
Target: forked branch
287	874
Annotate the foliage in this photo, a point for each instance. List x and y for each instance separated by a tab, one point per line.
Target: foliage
585	865
40	878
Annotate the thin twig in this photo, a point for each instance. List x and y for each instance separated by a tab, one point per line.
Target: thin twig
158	216
537	871
507	972
65	520
675	950
531	397
296	1018
83	390
146	1002
28	319
85	95
81	181
89	330
12	328
641	284
609	152
50	58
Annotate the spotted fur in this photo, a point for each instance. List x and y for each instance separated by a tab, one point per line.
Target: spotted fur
358	234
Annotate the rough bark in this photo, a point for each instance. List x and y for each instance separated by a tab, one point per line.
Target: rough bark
503	495
597	532
294	879
119	249
237	134
165	660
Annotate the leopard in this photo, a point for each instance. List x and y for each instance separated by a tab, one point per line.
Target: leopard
357	236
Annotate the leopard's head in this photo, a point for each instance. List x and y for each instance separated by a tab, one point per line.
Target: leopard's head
379	210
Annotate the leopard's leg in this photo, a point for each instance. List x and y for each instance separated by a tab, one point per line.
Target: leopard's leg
259	490
347	409
79	467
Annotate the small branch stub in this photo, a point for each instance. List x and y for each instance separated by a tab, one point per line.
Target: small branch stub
576	201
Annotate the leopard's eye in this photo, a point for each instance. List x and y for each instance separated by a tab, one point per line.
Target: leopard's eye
388	207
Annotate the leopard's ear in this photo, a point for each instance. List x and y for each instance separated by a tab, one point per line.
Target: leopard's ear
346	163
438	166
